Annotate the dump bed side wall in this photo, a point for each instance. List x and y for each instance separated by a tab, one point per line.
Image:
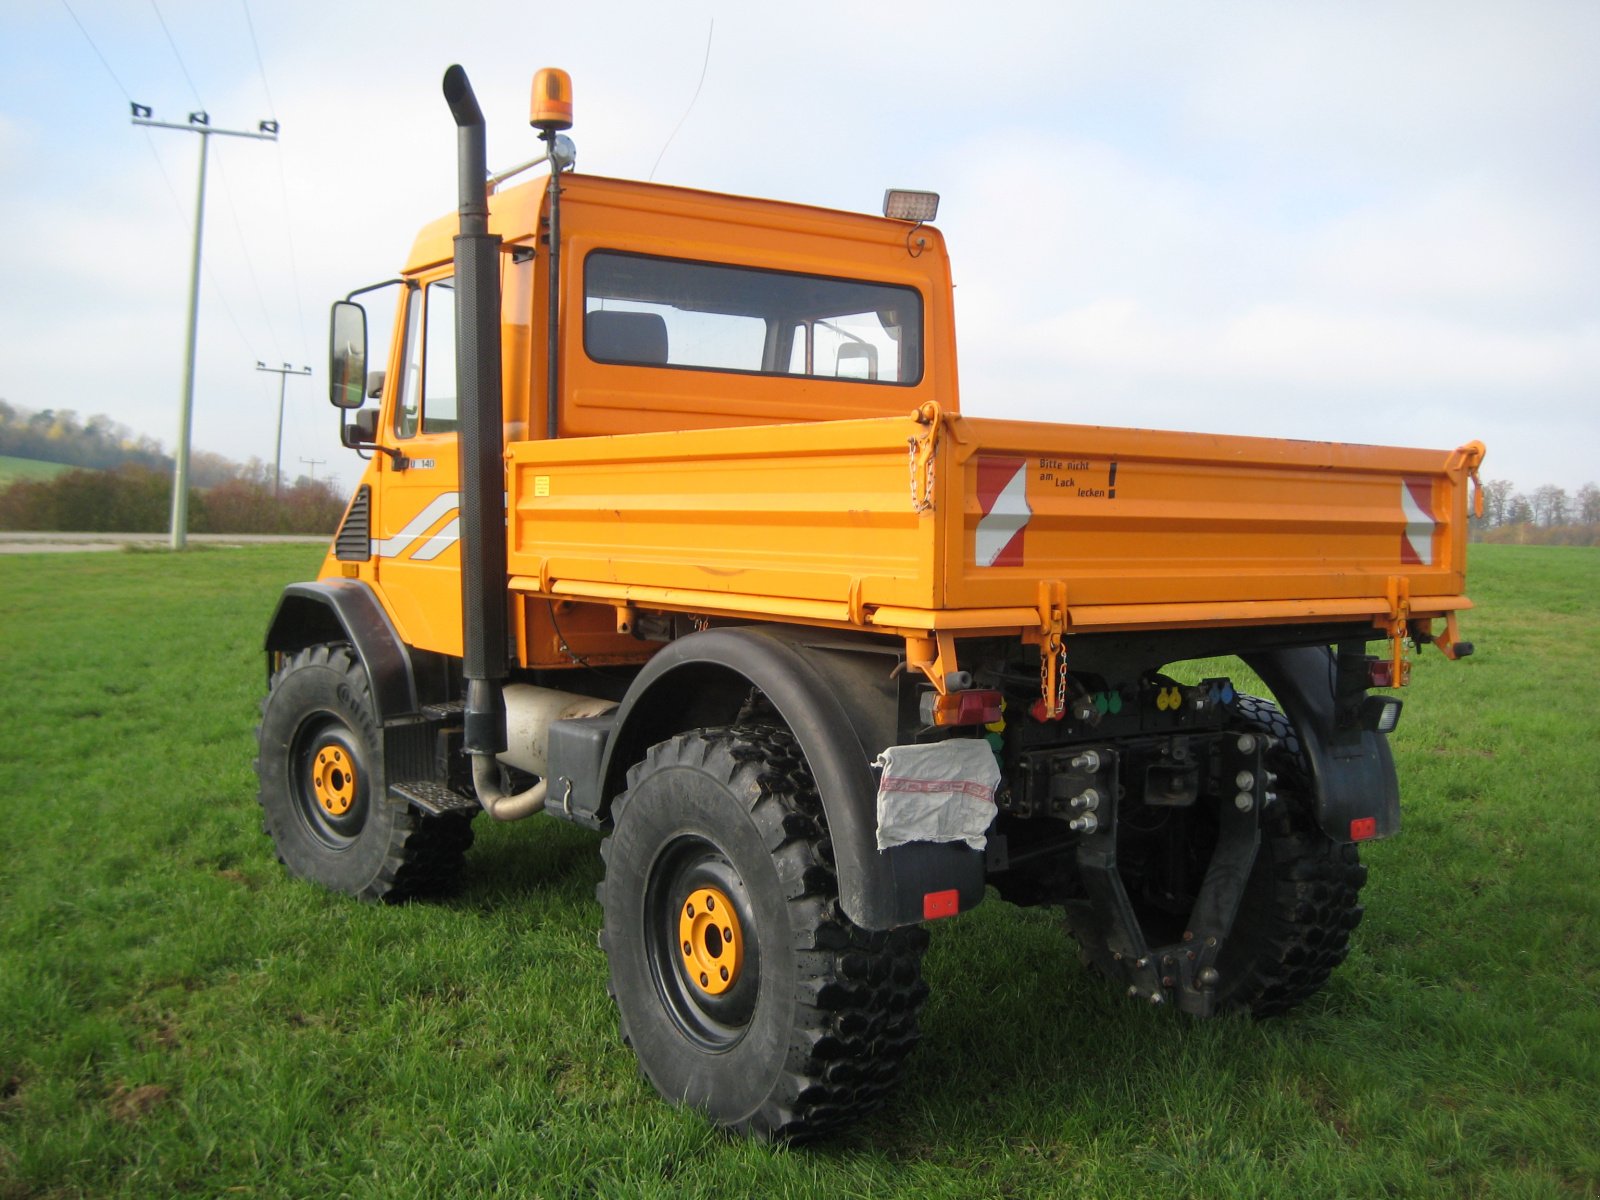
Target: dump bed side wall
1141	519
818	512
820	522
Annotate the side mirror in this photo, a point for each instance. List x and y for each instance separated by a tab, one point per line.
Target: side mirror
363	431
347	355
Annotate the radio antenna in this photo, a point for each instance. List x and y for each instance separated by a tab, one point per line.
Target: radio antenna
710	29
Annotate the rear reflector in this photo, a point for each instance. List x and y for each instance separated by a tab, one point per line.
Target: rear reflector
1362	828
940	904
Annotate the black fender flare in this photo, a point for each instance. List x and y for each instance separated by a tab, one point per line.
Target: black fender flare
837	694
1352	769
347	610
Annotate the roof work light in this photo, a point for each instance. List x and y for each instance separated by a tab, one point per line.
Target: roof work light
901	205
551	107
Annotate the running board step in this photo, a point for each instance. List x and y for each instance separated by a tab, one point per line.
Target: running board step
435	799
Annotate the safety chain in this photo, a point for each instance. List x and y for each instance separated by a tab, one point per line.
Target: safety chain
921	450
1052	677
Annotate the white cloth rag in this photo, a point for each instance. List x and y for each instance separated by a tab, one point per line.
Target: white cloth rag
939	792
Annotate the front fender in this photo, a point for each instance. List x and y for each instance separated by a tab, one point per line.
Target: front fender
346	610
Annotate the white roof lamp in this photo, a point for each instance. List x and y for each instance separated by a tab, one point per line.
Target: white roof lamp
900	204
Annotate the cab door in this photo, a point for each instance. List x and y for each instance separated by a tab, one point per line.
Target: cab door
416	542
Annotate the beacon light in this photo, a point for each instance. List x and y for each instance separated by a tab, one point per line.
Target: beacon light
550	109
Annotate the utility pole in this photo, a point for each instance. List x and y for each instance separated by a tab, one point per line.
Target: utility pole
313	463
199	122
283	374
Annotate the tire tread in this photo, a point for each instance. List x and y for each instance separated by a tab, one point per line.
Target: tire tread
859	992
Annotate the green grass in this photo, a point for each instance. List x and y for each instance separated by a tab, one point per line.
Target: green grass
13	469
178	1018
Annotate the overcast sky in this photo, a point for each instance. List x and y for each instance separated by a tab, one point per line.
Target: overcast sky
1357	222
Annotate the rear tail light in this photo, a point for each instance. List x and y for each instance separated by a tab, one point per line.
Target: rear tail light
972	707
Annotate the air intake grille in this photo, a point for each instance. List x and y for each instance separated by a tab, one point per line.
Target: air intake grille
354	540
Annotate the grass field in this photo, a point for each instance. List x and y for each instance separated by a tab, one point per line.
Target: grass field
178	1018
13	469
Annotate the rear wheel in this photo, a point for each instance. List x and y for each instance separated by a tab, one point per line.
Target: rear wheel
1300	902
1303	896
740	984
324	799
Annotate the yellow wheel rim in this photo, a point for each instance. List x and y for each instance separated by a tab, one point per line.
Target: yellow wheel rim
333	779
710	941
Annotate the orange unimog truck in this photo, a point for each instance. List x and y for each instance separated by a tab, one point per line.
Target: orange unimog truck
672	528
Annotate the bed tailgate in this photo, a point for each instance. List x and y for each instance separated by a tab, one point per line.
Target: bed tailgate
1147	528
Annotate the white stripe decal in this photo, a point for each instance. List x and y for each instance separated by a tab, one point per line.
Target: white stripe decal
1419	526
438	543
441	505
999	525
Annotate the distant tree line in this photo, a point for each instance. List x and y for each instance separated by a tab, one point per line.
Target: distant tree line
57	435
122	483
1546	516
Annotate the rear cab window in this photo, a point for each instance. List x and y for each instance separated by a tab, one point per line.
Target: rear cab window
643	310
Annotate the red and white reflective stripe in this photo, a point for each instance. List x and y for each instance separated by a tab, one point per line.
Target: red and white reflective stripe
1416	541
1003	497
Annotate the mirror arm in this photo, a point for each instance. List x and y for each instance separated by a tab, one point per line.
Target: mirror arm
401	462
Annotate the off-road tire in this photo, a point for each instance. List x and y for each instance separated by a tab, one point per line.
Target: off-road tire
378	848
1303	896
814	1028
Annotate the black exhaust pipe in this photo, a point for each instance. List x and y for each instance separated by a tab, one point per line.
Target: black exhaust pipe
480	434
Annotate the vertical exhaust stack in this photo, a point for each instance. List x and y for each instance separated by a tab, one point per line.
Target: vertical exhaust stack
481	434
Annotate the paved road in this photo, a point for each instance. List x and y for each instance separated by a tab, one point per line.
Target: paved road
56	543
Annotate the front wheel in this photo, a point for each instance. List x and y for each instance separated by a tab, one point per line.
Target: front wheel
324	799
740	984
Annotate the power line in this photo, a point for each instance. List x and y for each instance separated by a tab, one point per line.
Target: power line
213	283
199	123
272	109
172	191
181	65
283	182
227	188
244	248
96	50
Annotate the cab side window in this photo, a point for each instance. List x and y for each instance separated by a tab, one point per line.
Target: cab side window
408	412
439	360
428	388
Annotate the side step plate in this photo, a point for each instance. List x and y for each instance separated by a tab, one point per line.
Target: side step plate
434	799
